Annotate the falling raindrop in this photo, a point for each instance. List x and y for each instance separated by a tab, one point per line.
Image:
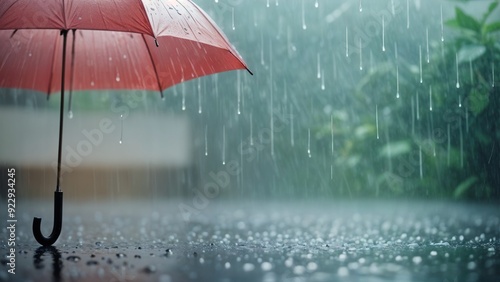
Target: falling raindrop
251	129
420	62
466	119
121	129
407	14
223	144
334	68
383	33
331	171
70	104
371	61
471	73
232	19
459	101
397	81
492	75
267	4
412	116
442	24
393	10
360	55
331	131
199	96
292	139
456	64
360	6
316	4
216	1
420	162
418	107
272	122
396	50
346	42
376	120
449	145
430	98
461	144
238	90
304	27
276	3
322	80
427	44
309	142
206	140
262	49
318	74
183	97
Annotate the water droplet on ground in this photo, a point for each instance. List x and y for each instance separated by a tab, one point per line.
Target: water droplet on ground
73	258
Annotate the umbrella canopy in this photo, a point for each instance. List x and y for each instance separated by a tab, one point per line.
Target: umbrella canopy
118	44
113	44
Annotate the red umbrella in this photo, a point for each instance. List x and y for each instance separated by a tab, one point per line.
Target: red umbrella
114	44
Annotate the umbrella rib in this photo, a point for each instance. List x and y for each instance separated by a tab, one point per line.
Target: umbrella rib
154	66
53	66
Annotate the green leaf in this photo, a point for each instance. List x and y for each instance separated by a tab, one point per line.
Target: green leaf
470	53
492	27
452	23
478	101
467	21
490	10
464	186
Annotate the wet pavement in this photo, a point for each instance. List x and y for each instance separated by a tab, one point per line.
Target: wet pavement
260	241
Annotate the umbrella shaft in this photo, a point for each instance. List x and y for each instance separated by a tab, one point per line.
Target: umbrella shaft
64	33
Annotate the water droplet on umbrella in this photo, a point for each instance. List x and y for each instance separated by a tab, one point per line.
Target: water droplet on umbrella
117	78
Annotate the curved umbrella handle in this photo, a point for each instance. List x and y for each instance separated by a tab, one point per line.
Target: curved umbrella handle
56	230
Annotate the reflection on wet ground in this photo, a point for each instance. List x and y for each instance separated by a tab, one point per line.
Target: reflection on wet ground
263	241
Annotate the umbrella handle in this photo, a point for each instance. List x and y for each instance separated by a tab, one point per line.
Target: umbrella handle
56	230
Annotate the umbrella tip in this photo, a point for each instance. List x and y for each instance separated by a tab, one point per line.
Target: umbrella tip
156	42
249	71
